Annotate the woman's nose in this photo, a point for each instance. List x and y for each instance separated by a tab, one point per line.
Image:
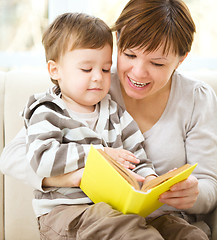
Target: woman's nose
140	70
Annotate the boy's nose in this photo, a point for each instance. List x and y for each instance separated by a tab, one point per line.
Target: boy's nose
97	76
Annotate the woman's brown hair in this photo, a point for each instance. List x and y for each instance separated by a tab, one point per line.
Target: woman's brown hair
149	24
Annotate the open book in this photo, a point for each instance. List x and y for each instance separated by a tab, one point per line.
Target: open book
105	180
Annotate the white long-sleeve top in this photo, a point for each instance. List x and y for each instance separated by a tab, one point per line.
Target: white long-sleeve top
185	133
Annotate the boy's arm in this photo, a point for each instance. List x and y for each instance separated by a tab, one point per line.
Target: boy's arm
133	141
53	148
13	163
71	179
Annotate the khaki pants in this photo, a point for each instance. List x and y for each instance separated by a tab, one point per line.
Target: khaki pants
101	222
172	227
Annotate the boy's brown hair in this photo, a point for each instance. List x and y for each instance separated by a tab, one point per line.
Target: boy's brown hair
71	31
150	24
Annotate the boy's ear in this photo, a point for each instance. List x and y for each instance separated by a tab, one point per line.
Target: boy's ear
116	35
53	70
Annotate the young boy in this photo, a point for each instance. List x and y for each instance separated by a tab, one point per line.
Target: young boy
77	112
62	124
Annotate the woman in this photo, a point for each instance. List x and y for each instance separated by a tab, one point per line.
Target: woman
176	114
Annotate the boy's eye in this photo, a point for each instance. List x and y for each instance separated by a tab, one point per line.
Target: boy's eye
86	70
106	70
130	55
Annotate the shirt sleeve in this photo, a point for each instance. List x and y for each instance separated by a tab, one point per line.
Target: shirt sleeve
201	147
13	162
50	149
133	141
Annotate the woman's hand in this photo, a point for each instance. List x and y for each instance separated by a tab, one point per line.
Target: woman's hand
124	157
182	195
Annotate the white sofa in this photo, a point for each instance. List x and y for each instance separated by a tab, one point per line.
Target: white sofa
17	220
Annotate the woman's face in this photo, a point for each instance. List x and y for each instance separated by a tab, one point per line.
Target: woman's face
144	74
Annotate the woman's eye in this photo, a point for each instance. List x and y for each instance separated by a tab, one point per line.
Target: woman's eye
86	70
130	55
157	64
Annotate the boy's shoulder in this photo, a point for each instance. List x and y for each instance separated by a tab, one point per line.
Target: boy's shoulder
44	102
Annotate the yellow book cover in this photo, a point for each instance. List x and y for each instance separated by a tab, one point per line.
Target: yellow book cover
104	180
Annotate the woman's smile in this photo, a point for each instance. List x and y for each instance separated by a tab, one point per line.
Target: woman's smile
136	84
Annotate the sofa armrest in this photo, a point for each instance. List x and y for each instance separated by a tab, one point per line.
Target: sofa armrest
211	220
19	219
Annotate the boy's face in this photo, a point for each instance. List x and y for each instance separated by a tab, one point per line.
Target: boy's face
84	77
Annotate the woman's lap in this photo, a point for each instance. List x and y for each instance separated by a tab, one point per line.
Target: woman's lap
101	222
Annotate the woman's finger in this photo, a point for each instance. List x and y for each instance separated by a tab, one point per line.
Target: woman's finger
183	196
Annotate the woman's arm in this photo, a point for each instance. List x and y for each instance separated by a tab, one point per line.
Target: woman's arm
201	147
13	161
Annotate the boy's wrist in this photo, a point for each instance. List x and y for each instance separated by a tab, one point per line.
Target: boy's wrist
58	181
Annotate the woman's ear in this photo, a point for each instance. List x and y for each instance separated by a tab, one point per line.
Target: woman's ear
53	69
182	58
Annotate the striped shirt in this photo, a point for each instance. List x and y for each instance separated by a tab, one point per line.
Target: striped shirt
58	143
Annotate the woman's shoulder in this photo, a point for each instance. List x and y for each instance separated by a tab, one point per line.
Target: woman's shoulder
189	95
191	86
115	83
115	90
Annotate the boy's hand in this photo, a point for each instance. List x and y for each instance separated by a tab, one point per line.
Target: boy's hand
136	176
149	178
72	179
124	157
75	177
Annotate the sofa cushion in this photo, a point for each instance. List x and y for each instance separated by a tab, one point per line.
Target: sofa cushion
20	84
2	82
19	216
